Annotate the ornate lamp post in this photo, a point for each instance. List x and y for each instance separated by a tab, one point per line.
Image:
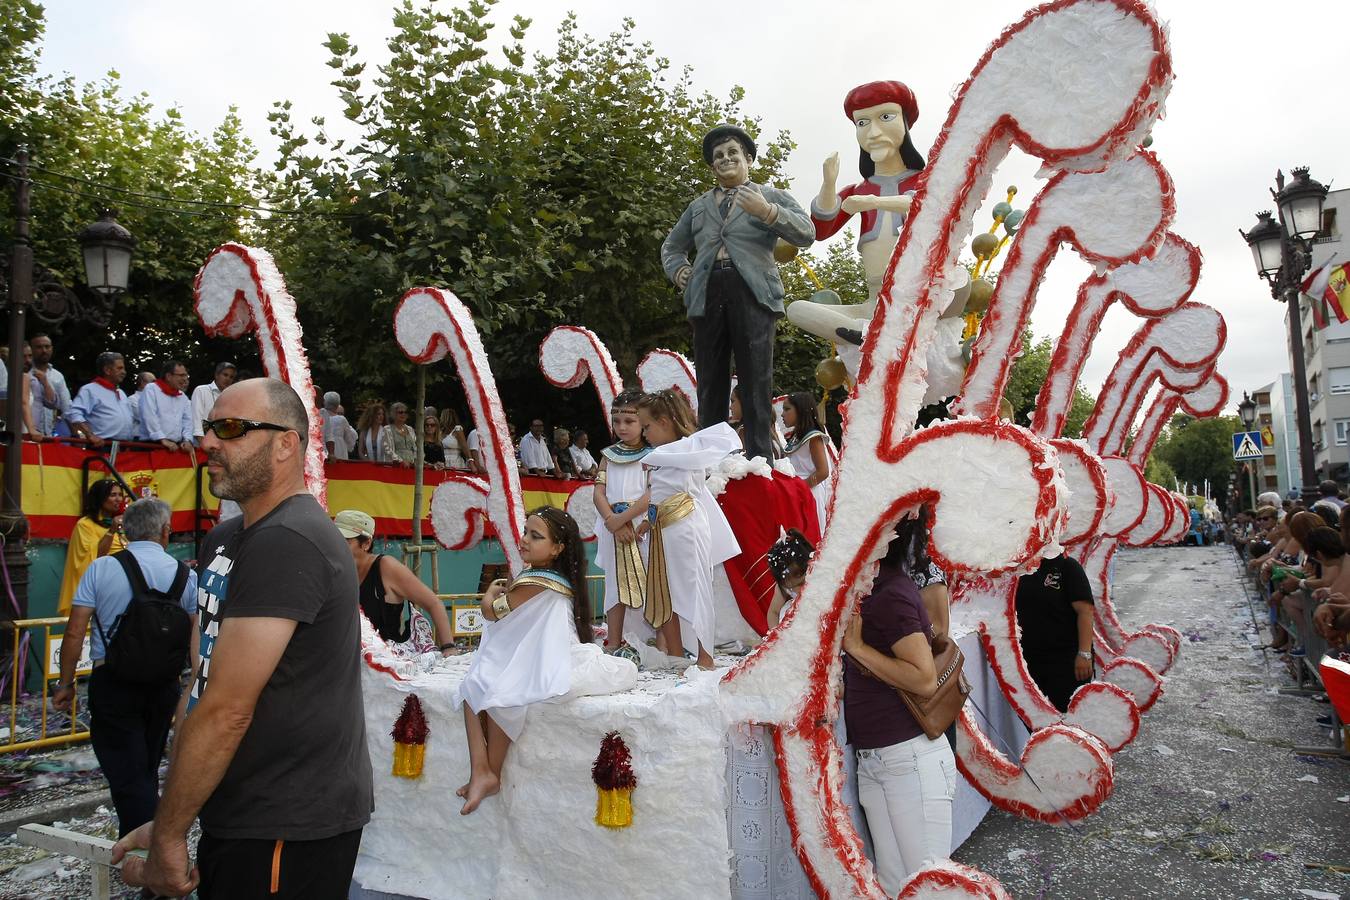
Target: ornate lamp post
107	250
1283	255
1247	413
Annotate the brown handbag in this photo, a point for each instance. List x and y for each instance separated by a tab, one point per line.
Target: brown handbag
936	714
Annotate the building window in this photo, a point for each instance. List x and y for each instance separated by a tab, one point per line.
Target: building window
1328	231
1339	379
1342	432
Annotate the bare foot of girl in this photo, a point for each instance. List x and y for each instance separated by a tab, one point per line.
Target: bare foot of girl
481	786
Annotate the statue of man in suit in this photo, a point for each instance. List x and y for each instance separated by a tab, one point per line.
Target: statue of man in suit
732	292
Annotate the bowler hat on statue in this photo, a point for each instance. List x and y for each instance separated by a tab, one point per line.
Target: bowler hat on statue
720	135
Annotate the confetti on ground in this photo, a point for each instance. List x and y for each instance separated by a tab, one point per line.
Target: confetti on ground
1319	895
1163	750
1311	779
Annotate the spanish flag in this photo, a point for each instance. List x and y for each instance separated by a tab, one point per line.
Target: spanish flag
1329	288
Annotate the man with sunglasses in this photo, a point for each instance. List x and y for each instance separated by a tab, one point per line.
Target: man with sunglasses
271	751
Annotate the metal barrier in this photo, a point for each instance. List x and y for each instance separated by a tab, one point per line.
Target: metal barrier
1305	668
50	671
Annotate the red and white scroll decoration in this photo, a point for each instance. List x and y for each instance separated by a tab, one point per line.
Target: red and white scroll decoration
239	289
663	370
429	325
947	879
569	354
1077	84
1151	287
1178	349
1110	217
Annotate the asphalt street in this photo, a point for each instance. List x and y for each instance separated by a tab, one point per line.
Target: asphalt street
1210	800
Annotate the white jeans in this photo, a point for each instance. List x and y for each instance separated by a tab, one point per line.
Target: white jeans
906	791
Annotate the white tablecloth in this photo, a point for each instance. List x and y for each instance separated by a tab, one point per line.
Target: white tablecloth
764	865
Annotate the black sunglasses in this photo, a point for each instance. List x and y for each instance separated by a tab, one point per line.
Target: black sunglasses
232	428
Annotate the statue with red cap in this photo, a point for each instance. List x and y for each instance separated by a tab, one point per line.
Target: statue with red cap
882	113
733	295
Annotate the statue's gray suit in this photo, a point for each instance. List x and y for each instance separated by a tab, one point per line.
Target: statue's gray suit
733	302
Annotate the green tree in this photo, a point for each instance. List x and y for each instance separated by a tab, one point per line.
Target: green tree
538	192
1028	374
127	148
1199	449
1159	472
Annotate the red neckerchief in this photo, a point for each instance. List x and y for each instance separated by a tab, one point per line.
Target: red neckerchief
167	388
105	383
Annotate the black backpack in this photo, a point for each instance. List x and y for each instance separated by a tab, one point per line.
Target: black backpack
152	636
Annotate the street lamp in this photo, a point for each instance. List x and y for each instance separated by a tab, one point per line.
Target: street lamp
1247	413
107	250
1283	254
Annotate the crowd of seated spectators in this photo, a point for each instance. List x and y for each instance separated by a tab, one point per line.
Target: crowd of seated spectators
1296	552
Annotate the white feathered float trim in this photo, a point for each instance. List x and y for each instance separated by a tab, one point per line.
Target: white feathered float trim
239	289
663	370
1153	286
569	354
429	325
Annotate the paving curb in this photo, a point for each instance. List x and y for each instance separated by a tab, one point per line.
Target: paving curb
54	811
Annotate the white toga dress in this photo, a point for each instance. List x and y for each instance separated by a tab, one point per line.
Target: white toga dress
805	467
701	540
524	658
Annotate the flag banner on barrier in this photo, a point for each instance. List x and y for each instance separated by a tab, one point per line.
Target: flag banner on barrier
53	476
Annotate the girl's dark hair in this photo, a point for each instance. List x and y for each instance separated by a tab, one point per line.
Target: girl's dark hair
791	551
1326	541
909	155
571	564
626	400
909	547
96	496
807	420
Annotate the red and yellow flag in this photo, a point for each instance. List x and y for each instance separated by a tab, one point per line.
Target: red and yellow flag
1337	294
1328	288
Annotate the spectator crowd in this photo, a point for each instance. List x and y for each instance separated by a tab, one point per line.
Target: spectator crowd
1296	553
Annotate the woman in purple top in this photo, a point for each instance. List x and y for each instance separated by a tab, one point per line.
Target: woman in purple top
905	781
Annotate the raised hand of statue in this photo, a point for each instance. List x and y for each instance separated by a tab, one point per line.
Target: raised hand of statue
749	198
829	171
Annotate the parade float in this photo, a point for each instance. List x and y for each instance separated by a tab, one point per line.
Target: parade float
635	770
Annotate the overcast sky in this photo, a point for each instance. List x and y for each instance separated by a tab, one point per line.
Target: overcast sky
1245	102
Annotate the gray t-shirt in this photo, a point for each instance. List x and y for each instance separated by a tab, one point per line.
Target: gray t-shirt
302	771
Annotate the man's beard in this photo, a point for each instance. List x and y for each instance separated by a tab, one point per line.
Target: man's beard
245	478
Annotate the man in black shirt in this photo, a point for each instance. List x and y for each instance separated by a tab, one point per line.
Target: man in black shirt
271	754
1054	612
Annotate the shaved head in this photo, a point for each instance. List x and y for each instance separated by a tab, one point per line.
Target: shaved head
284	407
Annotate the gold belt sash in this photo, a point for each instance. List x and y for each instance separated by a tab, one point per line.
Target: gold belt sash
629	575
669	511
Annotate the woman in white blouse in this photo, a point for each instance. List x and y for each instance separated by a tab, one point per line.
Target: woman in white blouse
370	432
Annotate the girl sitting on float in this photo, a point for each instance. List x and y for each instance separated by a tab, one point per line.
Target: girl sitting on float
525	653
808	449
621	499
690	535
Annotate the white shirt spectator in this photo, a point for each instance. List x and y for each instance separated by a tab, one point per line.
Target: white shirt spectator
203	398
340	433
165	415
534	453
45	414
582	457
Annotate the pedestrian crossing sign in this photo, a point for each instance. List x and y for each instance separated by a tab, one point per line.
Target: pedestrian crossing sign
1247	445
